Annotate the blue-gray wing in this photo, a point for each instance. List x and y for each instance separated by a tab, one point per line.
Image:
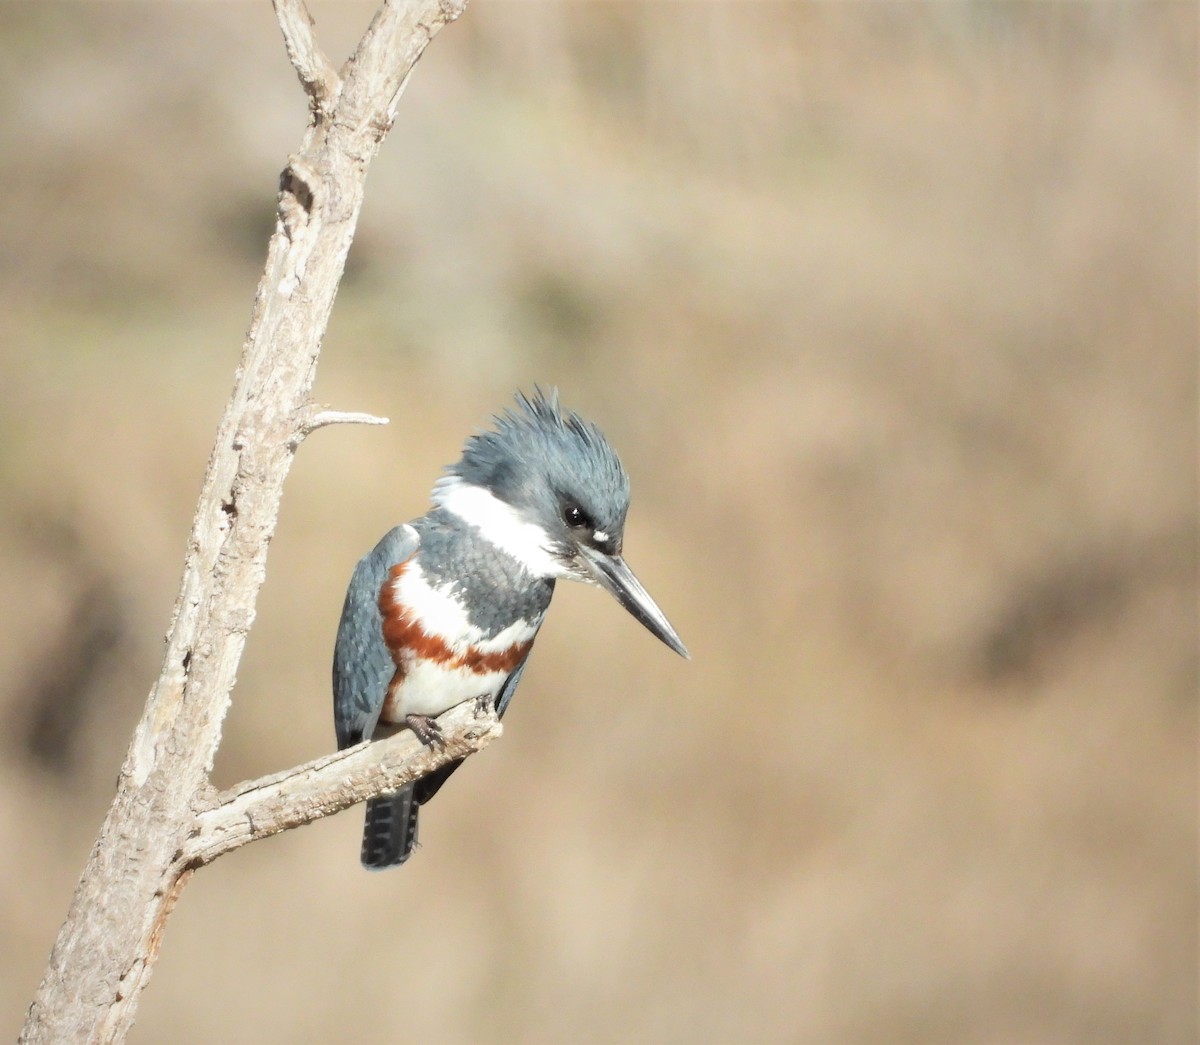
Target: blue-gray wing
510	687
362	664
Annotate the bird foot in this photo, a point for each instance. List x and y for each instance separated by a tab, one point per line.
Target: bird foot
427	730
485	705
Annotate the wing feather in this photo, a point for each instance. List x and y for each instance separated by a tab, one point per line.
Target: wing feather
362	664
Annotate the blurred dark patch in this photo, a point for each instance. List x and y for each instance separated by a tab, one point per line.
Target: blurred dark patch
1045	611
370	256
558	305
608	54
243	226
62	680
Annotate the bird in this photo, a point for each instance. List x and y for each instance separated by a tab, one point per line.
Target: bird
445	608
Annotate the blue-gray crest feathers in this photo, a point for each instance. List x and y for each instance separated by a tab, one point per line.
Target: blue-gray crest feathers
537	453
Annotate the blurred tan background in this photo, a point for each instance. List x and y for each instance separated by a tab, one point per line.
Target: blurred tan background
890	310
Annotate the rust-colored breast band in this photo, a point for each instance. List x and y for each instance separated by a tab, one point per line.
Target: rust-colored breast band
405	637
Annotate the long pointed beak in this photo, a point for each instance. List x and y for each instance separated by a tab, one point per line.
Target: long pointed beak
615	577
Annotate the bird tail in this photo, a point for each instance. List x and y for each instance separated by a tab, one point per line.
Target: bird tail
390	832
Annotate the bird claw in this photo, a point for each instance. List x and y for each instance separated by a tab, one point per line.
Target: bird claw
427	730
485	705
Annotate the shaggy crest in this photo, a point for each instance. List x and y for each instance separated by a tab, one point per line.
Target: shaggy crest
539	438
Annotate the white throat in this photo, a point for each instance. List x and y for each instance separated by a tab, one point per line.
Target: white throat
500	524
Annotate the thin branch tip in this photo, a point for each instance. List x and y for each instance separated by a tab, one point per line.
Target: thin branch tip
317	74
322	418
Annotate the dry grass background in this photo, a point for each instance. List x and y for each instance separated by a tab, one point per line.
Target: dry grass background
891	311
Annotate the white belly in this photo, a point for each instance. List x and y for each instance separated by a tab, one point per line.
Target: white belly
430	688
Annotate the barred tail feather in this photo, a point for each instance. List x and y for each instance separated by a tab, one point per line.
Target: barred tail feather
390	831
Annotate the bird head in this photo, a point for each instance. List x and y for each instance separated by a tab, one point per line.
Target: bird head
546	487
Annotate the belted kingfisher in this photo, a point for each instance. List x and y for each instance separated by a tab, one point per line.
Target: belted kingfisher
445	608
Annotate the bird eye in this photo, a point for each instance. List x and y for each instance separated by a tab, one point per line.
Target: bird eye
576	517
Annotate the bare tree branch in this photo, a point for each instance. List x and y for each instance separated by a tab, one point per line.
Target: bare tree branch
264	807
106	948
315	418
317	74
